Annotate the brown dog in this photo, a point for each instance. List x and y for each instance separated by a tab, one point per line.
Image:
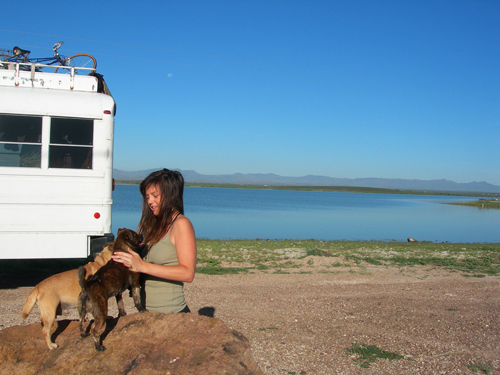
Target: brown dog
110	280
60	291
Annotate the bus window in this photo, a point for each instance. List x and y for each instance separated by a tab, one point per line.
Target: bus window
71	142
20	141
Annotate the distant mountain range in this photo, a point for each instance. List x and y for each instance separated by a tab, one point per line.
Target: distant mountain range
311	180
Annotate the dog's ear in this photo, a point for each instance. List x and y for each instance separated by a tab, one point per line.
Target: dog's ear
120	230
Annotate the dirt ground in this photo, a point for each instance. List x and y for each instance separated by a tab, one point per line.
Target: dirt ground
435	321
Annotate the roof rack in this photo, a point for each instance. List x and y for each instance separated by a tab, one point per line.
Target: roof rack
30	75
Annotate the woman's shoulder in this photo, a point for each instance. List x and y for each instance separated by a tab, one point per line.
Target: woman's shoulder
181	223
182	228
182	219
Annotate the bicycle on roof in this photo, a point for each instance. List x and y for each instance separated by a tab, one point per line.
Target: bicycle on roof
65	64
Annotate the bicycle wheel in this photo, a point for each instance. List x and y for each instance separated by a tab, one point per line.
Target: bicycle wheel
81	60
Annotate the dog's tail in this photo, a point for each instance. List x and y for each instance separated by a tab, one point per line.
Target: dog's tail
30	302
81	278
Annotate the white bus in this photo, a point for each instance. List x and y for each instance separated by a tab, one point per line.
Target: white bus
56	163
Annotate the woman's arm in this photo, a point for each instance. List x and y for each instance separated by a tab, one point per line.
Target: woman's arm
183	238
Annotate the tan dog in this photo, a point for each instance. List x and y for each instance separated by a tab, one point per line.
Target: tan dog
110	280
60	291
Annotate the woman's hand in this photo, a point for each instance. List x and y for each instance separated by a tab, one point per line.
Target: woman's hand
131	260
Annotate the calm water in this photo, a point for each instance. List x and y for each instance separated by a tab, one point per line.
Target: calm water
273	214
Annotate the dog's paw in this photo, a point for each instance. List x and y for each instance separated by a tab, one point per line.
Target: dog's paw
99	347
53	346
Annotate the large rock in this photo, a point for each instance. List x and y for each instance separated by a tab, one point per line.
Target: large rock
148	343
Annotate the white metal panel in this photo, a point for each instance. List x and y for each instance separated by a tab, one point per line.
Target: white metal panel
53	189
55	218
29	101
43	245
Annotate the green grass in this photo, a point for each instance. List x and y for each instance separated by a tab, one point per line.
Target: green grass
285	256
268	329
221	270
219	257
367	354
481	367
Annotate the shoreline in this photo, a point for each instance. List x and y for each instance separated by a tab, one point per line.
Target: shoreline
332	189
287	256
244	257
481	203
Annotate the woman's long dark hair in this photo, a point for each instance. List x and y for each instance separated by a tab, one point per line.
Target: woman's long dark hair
171	185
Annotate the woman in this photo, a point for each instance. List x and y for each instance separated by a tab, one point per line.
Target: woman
171	259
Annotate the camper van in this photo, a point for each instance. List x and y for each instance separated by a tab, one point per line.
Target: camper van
56	163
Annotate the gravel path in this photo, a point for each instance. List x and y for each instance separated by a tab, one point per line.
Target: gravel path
303	323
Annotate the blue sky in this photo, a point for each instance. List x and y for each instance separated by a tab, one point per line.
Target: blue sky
353	89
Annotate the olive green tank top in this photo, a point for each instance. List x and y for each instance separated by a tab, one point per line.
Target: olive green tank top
161	295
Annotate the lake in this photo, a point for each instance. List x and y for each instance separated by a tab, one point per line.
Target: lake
219	213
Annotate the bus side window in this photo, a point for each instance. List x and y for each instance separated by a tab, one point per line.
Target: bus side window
20	141
71	142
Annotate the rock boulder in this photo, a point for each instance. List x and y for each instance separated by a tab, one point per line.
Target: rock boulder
148	343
